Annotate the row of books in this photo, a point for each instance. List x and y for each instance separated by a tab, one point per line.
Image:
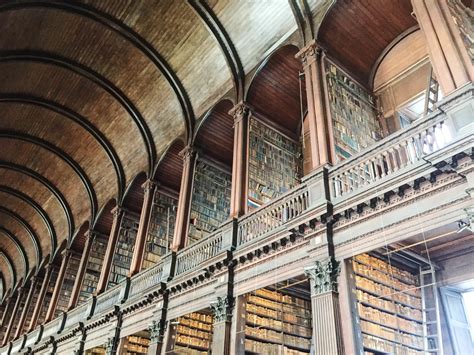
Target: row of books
278	337
93	269
391	270
269	348
389	306
194	331
378	345
283	306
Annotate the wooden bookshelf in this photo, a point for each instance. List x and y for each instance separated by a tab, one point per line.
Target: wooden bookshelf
34	299
68	284
48	295
389	307
136	345
99	350
160	229
210	205
275	163
277	323
93	269
355	124
193	334
124	248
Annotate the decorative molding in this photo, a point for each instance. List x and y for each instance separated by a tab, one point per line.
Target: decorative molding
221	309
239	111
309	54
156	330
324	275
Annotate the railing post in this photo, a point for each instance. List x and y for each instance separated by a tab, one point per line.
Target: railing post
318	187
169	265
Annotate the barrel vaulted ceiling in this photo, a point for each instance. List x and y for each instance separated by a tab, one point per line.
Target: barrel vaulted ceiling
94	92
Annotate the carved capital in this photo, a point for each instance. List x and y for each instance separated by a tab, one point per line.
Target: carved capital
109	346
116	211
239	111
149	185
221	309
90	235
324	275
187	153
66	253
469	225
156	330
309	53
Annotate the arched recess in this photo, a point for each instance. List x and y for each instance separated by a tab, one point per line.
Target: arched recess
38	210
111	24
356	42
78	240
64	112
7	270
5	235
133	197
169	169
26	234
277	101
26	172
40	143
103	222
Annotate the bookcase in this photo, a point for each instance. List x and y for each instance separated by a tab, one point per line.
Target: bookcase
124	248
275	163
34	299
355	124
210	204
389	307
93	269
99	350
68	284
48	295
192	334
160	228
276	323
136	345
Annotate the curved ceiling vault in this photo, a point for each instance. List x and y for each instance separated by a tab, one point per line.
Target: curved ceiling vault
93	92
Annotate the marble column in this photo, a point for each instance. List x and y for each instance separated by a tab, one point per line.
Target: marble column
327	334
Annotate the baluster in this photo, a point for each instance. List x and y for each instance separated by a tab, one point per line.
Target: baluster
372	171
396	160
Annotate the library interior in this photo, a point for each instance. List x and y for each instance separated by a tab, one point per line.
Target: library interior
233	177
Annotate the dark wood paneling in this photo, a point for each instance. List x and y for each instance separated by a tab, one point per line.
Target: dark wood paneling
216	134
170	169
134	195
356	32
275	90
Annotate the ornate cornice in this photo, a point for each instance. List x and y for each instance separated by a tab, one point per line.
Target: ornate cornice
324	275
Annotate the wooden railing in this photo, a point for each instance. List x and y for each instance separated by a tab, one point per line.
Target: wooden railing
145	280
398	151
78	314
109	298
275	214
193	255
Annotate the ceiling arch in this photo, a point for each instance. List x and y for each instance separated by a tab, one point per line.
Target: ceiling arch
83	122
19	247
46	183
39	210
131	36
34	240
65	157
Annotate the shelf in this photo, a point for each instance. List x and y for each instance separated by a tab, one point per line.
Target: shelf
385	272
392	341
377	351
278	319
263	340
273	309
373	279
390	327
373	293
190	346
282	302
255	325
196	320
367	304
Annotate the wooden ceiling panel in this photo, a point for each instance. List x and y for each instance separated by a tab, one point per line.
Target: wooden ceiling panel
103	51
53	168
5	272
12	224
11	249
356	32
275	90
184	42
216	134
27	212
63	87
105	218
133	199
42	196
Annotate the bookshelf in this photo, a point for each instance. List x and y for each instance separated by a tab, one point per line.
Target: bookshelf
275	163
124	248
99	350
34	299
192	334
48	295
160	229
355	124
136	345
68	284
276	323
210	205
93	269
389	307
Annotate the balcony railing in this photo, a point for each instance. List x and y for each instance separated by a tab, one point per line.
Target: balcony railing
275	214
52	328
193	255
145	280
78	314
109	298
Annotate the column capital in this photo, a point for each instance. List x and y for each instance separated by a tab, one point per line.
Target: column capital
308	54
66	253
148	185
239	111
324	275
156	330
116	211
221	309
188	152
90	234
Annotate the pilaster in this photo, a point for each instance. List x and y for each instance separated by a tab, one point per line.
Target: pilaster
221	335
149	188
40	300
11	321
327	335
117	213
59	283
26	307
238	199
189	156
